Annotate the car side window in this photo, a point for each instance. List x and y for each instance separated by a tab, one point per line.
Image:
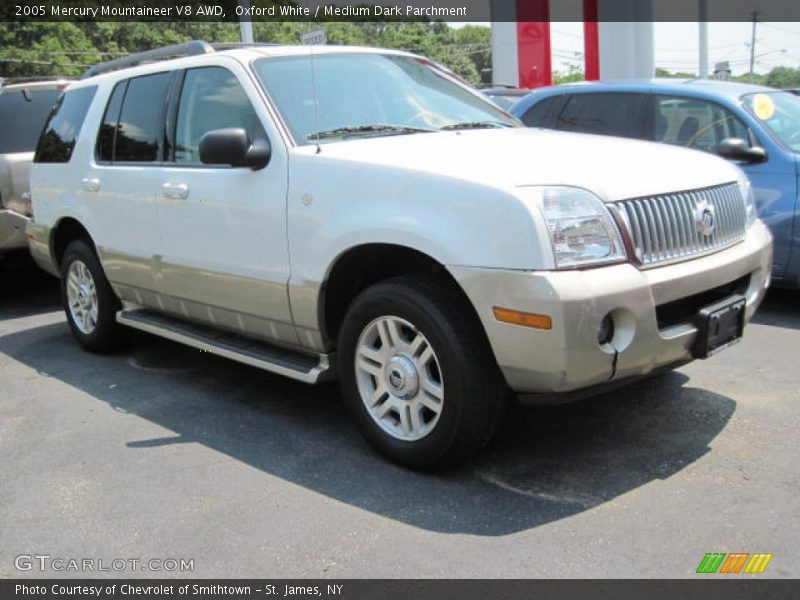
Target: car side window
695	123
607	113
544	113
211	98
63	126
141	119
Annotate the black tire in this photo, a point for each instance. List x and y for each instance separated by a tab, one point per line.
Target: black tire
475	393
107	334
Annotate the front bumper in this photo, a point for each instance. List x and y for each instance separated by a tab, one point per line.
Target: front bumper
12	230
568	357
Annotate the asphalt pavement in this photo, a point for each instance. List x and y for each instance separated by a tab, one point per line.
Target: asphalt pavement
164	452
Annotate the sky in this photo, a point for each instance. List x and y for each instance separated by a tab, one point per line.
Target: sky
676	45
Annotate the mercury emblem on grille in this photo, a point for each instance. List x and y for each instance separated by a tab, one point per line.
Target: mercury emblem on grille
704	217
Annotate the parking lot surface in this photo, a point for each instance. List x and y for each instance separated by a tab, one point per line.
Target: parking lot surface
161	451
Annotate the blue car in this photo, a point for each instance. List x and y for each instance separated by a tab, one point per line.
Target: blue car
754	126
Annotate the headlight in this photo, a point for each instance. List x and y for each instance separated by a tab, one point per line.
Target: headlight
581	229
746	189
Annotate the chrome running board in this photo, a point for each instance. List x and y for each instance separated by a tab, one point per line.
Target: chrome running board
299	366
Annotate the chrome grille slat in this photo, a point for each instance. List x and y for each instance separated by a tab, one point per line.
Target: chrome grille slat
665	225
642	222
676	228
652	225
726	230
664	228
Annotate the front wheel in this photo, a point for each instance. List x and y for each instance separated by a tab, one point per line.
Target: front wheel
418	374
89	302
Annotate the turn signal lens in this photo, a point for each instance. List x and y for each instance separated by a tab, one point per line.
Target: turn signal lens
515	317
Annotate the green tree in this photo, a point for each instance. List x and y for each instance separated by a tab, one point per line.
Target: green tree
756	78
783	77
678	75
574	73
51	49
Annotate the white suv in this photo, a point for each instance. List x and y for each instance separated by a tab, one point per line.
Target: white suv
362	213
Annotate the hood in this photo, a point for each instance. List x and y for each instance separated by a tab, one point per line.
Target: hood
613	168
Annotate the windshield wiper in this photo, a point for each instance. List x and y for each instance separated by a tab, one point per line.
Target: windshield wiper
475	125
365	130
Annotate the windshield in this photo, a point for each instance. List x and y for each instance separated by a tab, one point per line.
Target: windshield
361	95
780	112
503	101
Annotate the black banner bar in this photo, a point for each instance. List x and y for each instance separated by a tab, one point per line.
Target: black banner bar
705	587
321	11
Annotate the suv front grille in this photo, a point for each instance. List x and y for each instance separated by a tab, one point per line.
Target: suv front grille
667	228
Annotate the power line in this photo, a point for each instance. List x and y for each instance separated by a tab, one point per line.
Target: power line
771	26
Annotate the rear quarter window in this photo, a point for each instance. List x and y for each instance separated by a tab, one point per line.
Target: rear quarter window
23	114
64	125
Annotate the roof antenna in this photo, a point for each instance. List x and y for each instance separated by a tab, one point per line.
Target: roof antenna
316	99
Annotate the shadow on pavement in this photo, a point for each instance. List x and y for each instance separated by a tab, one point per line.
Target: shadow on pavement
549	463
25	289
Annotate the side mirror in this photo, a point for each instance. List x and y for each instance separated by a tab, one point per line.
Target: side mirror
233	147
738	149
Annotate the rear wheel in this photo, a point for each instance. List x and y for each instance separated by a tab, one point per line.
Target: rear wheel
89	302
417	373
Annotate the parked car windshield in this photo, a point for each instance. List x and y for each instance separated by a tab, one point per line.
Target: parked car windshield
360	95
23	115
780	111
503	101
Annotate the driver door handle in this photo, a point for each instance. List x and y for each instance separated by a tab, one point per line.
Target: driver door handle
175	191
90	184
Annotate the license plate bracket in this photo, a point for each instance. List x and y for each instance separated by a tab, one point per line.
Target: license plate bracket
719	326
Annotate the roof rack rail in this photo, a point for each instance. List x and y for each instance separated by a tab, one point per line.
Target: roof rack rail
232	45
192	48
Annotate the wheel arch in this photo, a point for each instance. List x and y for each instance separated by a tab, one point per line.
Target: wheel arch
360	266
65	231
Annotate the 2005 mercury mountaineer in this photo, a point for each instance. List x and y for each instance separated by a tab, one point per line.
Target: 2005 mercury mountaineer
283	206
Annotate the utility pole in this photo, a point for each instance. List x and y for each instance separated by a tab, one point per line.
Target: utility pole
703	42
753	45
245	24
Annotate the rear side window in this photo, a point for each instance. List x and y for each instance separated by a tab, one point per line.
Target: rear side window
23	114
617	114
64	125
140	129
544	113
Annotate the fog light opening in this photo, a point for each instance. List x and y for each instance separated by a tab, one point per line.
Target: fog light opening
606	332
